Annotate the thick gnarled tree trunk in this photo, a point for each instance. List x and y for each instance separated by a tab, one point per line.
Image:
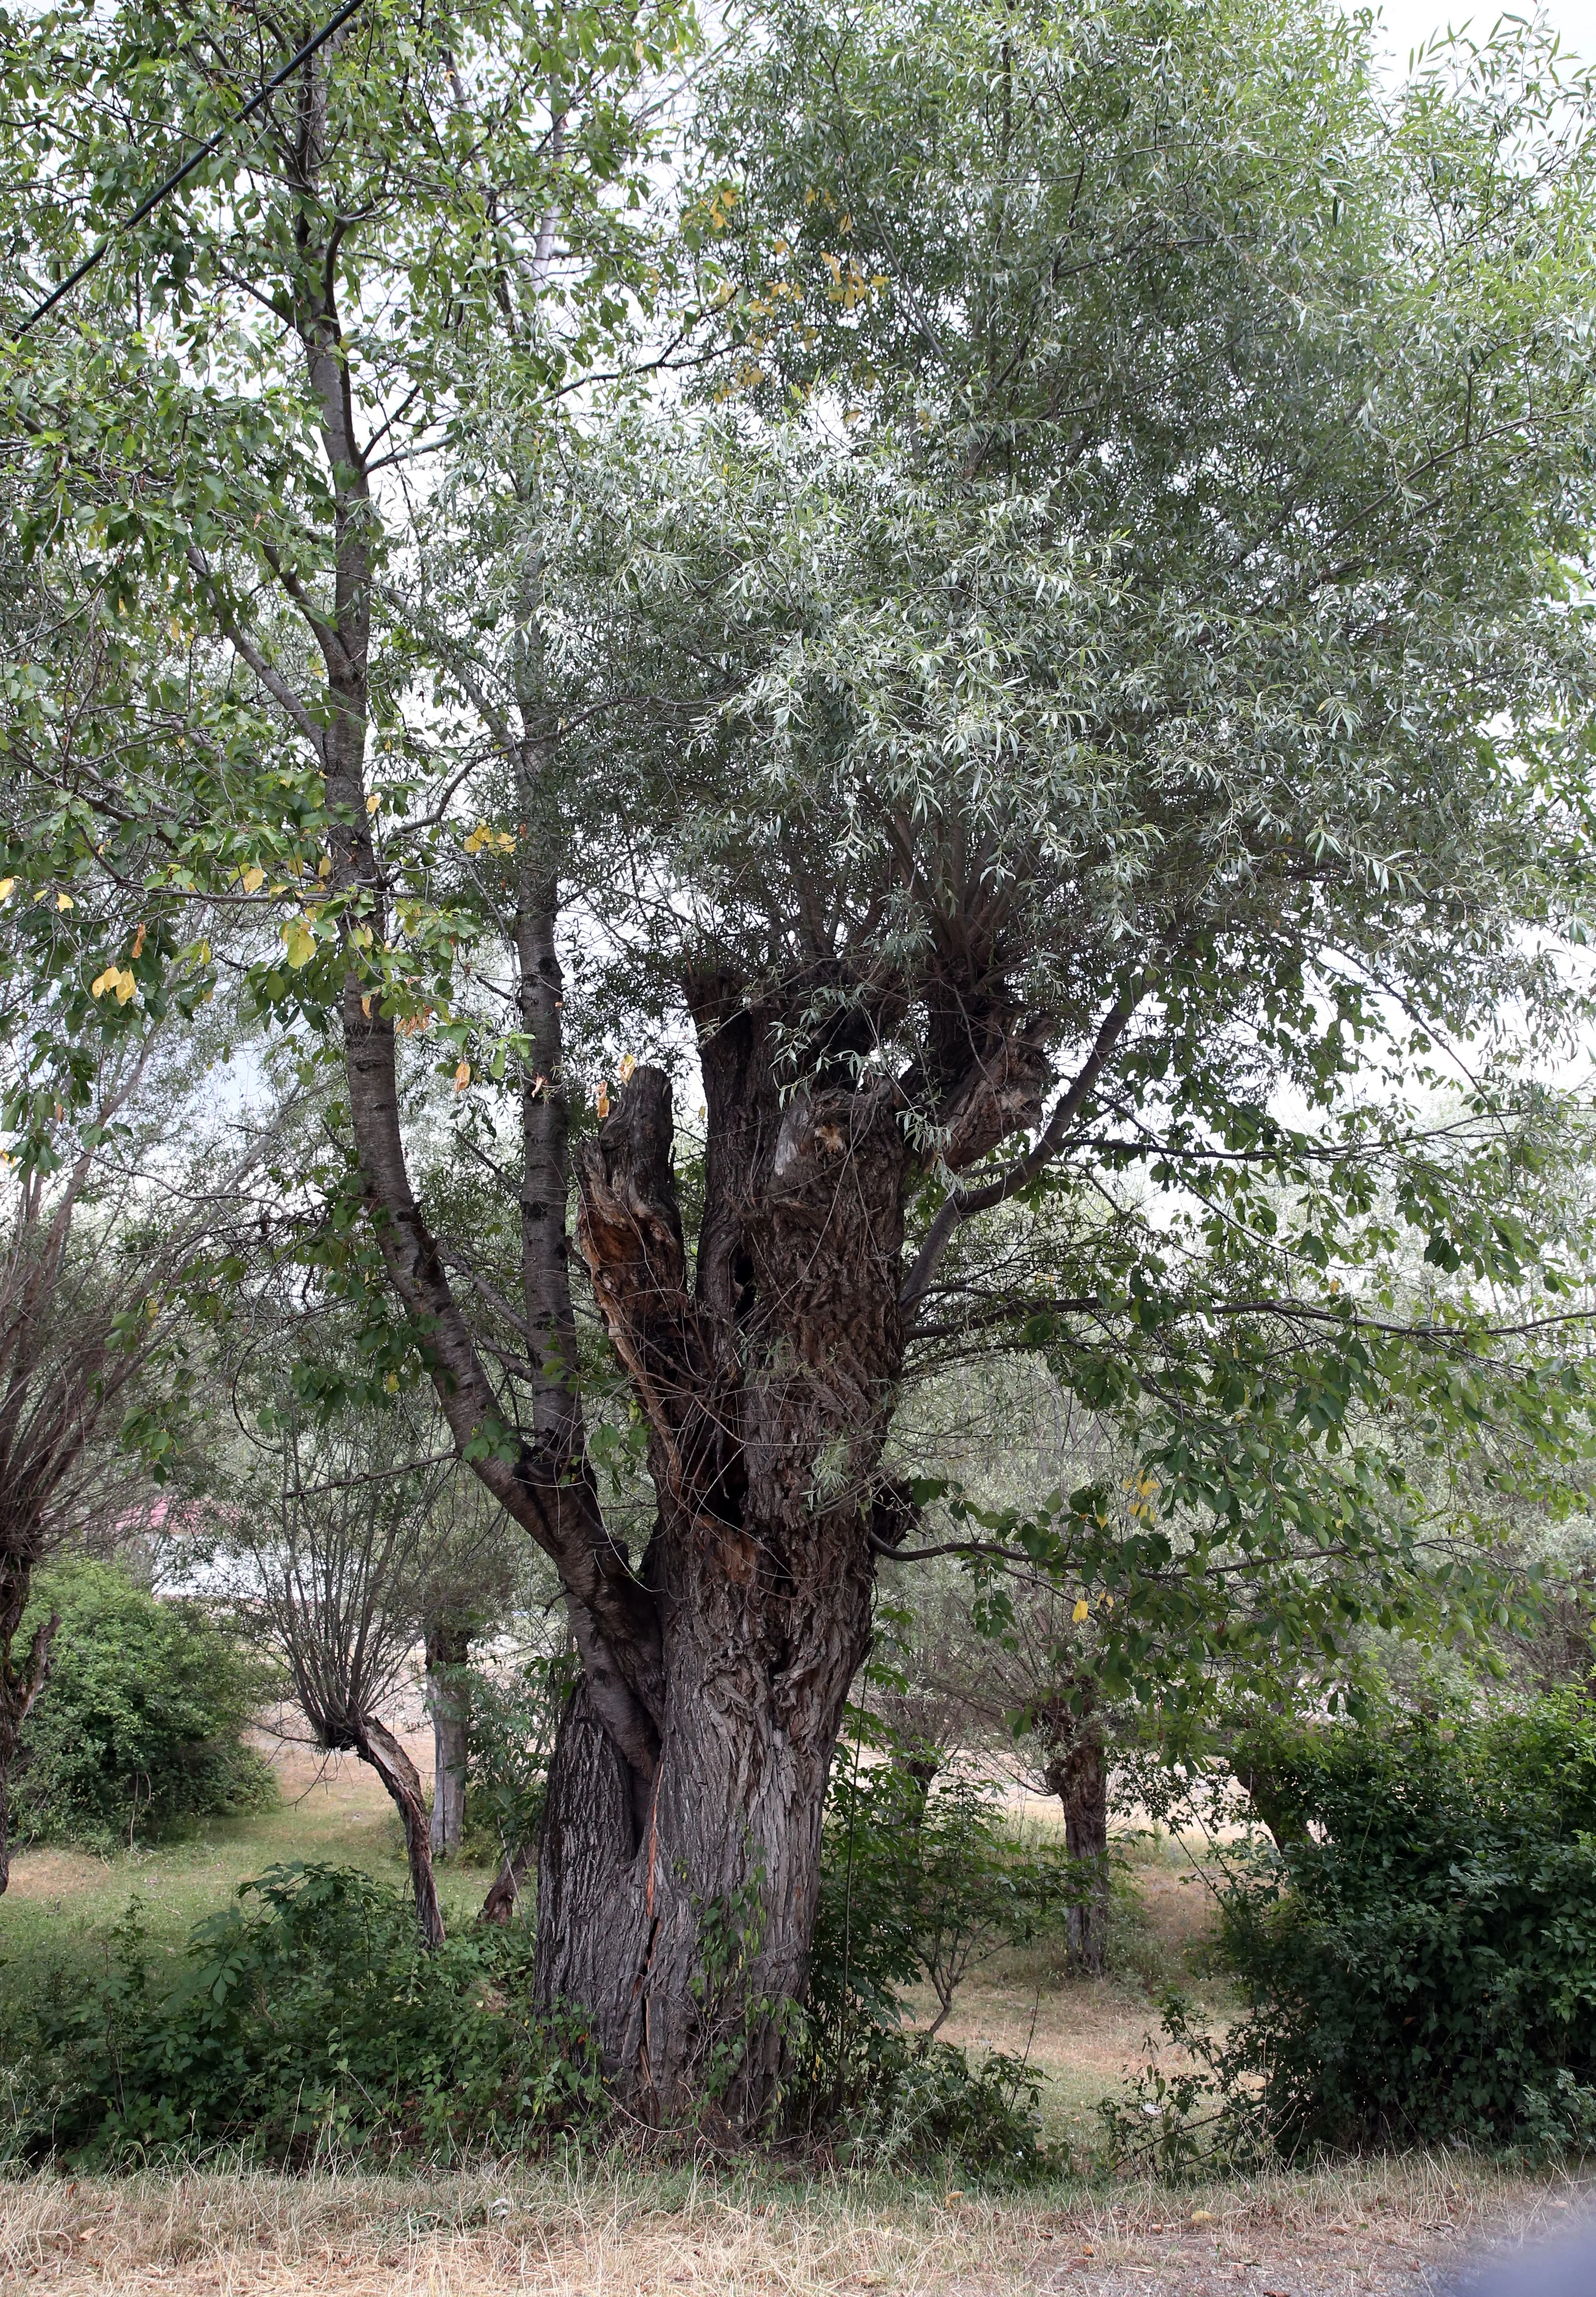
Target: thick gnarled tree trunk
676	1907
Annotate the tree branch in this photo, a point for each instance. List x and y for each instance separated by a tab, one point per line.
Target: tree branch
962	1203
247	653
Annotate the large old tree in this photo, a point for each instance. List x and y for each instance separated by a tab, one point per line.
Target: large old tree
1101	658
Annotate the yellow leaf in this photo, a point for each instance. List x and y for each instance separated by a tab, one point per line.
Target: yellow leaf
324	868
125	985
628	1064
1080	1611
253	879
372	801
366	1007
603	1100
462	1076
299	942
138	941
107	980
63	900
8	887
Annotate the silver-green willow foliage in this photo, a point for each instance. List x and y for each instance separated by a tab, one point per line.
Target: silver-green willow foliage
1127	566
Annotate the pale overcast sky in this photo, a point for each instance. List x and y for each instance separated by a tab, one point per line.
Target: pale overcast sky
1410	22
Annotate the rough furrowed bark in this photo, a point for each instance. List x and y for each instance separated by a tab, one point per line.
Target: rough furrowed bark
585	1853
767	1389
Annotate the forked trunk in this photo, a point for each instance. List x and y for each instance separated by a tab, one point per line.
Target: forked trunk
675	1907
678	1868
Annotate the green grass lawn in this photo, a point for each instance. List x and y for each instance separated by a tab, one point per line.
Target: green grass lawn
63	1905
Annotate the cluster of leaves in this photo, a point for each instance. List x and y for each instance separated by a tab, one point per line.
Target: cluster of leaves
142	1726
512	1719
307	2017
1418	1951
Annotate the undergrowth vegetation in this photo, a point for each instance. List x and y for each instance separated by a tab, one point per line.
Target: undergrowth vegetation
1415	1948
307	2020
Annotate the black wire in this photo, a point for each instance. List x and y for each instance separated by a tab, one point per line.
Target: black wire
268	88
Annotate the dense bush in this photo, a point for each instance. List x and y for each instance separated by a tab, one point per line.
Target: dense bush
307	2015
1418	1951
140	1723
1420	1956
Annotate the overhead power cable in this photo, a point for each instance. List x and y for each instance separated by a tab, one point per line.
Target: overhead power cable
195	159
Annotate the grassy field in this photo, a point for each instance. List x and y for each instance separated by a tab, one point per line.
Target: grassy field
616	2228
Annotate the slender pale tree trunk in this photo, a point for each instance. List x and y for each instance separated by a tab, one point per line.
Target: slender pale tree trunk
376	1745
1076	1768
447	1650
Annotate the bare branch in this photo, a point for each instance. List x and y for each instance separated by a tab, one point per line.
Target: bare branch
961	1203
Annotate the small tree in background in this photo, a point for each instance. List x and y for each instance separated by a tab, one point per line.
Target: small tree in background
108	1237
344	1532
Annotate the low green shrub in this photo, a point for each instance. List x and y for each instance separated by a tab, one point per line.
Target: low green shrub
140	1723
1417	1951
917	1888
1419	1954
306	2017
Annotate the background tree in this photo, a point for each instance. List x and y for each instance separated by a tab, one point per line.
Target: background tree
348	1541
110	1241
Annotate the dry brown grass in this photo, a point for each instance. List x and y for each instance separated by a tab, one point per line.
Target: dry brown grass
614	2231
611	2229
